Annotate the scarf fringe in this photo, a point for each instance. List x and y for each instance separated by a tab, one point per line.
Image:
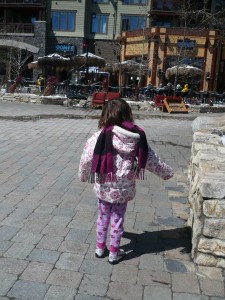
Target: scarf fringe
100	178
91	178
103	178
140	174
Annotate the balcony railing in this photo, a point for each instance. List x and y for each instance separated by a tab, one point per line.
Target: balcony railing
16	28
22	2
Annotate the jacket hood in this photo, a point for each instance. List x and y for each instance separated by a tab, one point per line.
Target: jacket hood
124	141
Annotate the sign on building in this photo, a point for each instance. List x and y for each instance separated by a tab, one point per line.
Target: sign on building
186	44
66	48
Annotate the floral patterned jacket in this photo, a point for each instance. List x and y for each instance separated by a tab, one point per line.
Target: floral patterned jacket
122	188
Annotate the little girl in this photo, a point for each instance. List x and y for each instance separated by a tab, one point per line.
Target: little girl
112	159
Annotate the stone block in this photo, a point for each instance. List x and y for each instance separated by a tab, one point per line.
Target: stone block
187	296
50	242
36	271
59	293
207	137
212	287
214	228
43	255
211	272
7	233
209	260
214	208
151	262
94	285
96	267
185	283
74	247
125	291
156	278
6	282
157	292
28	290
19	250
12	265
125	273
207	123
213	186
198	146
213	246
69	261
64	278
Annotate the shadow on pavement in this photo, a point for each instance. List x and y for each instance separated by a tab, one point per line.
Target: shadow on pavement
157	241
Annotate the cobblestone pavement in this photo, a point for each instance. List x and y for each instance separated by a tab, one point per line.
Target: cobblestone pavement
47	217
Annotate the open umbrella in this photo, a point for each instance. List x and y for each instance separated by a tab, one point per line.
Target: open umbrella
184	70
53	60
33	65
87	59
127	66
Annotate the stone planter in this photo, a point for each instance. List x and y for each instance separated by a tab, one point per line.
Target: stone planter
207	192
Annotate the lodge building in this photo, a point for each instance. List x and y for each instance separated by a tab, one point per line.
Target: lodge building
148	31
158	47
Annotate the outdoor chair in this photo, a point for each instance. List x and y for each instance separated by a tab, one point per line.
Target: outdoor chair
113	95
158	101
98	99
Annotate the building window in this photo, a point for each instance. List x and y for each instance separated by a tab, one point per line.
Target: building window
99	23
100	1
162	24
165	5
135	2
132	22
63	20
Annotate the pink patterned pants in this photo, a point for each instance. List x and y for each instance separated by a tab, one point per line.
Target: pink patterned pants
107	212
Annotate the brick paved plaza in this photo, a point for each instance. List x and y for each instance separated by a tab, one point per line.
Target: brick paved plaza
47	217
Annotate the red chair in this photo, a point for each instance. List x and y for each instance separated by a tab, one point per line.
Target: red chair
98	99
113	95
158	100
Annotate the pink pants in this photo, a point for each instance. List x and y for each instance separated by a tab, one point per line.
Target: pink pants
113	212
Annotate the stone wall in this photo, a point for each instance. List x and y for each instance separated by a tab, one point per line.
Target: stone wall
32	98
62	100
20	97
207	191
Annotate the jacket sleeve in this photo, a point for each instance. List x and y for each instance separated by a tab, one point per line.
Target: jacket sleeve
157	166
86	159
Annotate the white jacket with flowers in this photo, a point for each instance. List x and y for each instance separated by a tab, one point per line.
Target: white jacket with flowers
122	187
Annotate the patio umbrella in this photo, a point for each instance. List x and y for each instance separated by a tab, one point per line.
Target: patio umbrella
33	65
184	70
87	59
53	60
127	66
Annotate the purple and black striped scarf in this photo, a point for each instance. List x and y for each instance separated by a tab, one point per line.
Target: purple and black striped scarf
102	163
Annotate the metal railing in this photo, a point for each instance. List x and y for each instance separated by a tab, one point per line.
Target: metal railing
16	28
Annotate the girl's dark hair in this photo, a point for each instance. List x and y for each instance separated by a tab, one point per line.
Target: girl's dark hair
114	112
